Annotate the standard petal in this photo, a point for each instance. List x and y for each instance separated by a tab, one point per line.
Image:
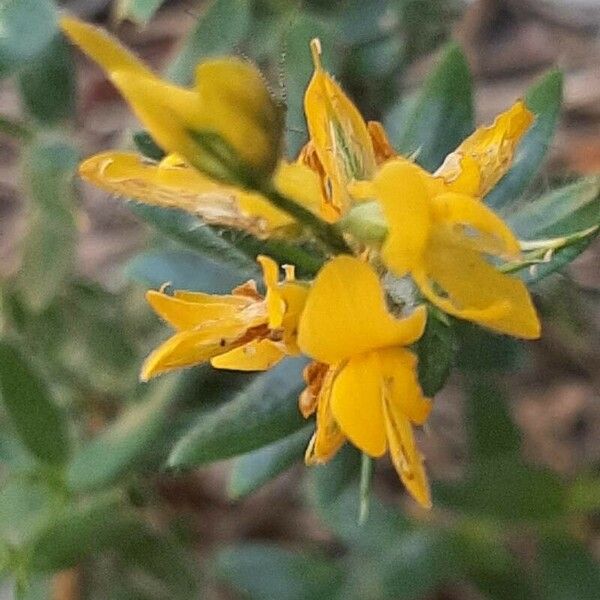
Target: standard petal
490	150
338	133
482	227
345	314
357	403
103	48
405	456
191	347
328	437
257	355
400	189
182	314
477	291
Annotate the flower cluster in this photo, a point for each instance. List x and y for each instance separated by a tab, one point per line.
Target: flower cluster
392	226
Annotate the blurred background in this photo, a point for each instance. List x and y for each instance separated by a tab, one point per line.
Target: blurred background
74	265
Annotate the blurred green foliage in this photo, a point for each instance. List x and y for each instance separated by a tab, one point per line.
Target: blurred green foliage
82	445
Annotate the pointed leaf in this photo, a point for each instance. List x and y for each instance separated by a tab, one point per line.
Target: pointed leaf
441	116
47	84
544	99
40	424
264	412
253	470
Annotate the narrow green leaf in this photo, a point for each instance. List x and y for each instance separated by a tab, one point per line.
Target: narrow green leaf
118	448
49	246
492	431
544	99
40	424
253	470
435	350
183	270
145	143
441	116
76	533
264	412
506	490
47	84
139	11
265	572
27	28
219	29
195	235
560	212
298	69
569	571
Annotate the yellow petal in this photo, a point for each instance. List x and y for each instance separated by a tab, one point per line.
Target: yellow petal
338	133
400	189
357	403
192	347
328	437
274	299
103	48
201	297
489	151
457	209
182	314
257	355
405	456
477	291
301	183
236	103
398	368
345	314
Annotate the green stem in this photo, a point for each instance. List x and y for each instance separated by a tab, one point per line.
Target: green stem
326	233
366	473
14	129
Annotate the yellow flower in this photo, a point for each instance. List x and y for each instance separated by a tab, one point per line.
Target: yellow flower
226	123
342	146
363	385
172	183
440	232
241	331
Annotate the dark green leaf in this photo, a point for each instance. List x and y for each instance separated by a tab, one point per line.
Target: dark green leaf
492	431
264	572
219	29
139	11
191	232
544	100
298	68
503	489
560	212
27	28
40	424
49	247
76	533
118	448
435	350
264	412
480	350
48	84
441	116
183	270
569	571
253	470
